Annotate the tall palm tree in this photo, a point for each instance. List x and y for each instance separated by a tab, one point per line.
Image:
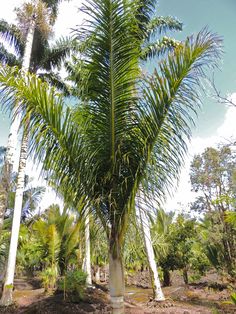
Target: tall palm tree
37	19
152	27
126	124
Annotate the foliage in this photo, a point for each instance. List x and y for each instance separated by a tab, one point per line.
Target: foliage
48	245
49	277
73	284
98	243
59	235
45	57
32	197
177	246
213	176
134	251
129	129
233	298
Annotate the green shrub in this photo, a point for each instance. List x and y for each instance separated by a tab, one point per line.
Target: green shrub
49	278
194	277
73	284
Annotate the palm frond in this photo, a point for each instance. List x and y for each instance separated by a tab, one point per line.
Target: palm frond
54	79
58	52
12	35
7	57
161	24
159	48
171	98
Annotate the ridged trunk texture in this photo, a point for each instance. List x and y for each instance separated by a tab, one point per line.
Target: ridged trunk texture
87	257
116	277
7	298
157	291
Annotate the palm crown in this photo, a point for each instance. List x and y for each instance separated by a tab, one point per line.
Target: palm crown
125	121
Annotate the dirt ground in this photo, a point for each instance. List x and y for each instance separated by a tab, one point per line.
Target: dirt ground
204	297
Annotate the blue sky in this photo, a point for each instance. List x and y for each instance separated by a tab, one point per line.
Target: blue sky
215	121
218	16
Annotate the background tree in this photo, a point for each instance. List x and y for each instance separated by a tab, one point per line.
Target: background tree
213	175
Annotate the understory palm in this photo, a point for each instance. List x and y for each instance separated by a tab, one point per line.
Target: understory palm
126	124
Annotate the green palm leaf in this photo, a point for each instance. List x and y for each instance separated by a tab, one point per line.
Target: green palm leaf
12	34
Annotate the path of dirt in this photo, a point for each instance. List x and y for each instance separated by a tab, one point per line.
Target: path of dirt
196	299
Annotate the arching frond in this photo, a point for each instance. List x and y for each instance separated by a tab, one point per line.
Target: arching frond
54	79
161	24
58	52
159	48
8	58
171	97
13	36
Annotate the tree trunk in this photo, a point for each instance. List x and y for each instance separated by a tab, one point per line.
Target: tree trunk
166	278
97	274
156	285
8	167
185	275
116	277
9	279
87	258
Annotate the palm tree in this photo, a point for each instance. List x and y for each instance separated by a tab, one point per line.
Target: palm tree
151	27
37	19
126	125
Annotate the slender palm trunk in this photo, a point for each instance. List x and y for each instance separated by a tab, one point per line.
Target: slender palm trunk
8	284
87	258
156	285
97	274
9	278
116	277
7	167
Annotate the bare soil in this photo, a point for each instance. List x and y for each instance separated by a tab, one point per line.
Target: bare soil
205	297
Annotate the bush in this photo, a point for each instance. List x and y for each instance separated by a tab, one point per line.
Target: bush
73	284
49	278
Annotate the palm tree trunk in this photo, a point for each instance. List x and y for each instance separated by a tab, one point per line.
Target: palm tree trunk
87	258
116	277
8	284
156	285
97	274
8	167
9	279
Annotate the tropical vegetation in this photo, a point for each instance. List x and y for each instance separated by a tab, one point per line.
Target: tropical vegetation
112	152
